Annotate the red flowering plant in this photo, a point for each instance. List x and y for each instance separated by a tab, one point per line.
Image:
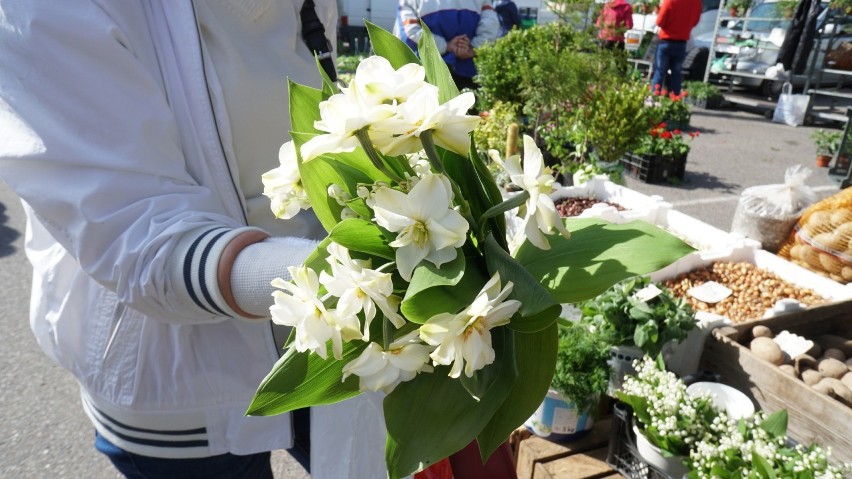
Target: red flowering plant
667	107
660	141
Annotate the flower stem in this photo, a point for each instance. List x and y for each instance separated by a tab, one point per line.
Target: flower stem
373	155
438	165
388	332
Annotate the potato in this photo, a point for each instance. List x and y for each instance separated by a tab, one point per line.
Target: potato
768	350
839	217
830	241
830	263
810	256
818	221
788	369
811	376
796	251
847	379
823	388
803	362
827	341
834	353
761	331
838	390
849	363
846	273
832	368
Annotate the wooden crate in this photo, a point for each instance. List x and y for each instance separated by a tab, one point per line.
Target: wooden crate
813	417
539	458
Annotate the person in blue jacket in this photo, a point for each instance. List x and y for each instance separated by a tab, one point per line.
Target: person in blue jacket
459	28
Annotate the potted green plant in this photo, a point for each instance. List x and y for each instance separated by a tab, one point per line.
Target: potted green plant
580	378
826	143
639	318
787	8
738	8
702	95
660	155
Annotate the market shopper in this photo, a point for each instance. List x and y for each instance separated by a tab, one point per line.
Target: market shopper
615	19
675	19
136	133
459	28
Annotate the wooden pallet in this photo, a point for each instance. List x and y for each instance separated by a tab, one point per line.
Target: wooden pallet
539	458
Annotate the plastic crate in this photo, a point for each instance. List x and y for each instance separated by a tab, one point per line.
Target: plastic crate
622	455
652	168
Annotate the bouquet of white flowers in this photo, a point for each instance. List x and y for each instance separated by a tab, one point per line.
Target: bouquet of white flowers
417	289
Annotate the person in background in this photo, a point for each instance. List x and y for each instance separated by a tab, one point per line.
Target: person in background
136	134
508	14
616	18
459	28
675	19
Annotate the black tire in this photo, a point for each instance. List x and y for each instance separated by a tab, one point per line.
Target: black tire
695	64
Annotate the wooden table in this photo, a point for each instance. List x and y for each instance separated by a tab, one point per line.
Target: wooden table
539	458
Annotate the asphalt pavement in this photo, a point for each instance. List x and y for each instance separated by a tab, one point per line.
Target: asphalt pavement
44	433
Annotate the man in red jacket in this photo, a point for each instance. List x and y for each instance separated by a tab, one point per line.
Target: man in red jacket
676	19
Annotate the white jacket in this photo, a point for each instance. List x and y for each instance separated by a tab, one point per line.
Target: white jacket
109	135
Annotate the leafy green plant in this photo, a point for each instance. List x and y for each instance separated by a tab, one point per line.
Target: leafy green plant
826	142
582	372
491	133
631	319
666	107
613	120
842	6
698	90
787	8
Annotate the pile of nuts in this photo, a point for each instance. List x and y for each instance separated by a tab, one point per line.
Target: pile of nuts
754	290
573	206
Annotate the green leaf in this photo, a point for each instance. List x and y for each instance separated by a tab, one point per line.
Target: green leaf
776	423
387	45
762	466
361	235
535	357
538	309
304	107
598	255
301	380
430	293
437	72
414	419
344	169
480	384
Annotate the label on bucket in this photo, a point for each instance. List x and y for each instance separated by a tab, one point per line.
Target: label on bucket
564	420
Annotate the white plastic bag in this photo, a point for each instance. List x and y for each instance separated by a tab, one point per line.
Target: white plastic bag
791	109
767	213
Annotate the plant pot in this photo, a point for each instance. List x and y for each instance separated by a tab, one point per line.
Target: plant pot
621	364
672	466
558	420
822	161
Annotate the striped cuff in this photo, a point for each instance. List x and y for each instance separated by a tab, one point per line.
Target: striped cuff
197	267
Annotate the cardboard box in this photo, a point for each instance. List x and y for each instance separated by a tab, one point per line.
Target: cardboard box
813	417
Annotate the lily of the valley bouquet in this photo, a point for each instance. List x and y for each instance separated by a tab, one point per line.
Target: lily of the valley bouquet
417	291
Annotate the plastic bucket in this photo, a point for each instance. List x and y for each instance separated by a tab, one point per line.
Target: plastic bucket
557	420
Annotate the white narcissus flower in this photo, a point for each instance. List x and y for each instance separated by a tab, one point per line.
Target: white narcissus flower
341	116
376	82
283	185
541	217
378	369
360	288
428	227
464	339
304	310
450	124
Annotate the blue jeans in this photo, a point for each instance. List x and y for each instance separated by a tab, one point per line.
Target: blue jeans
225	466
669	56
